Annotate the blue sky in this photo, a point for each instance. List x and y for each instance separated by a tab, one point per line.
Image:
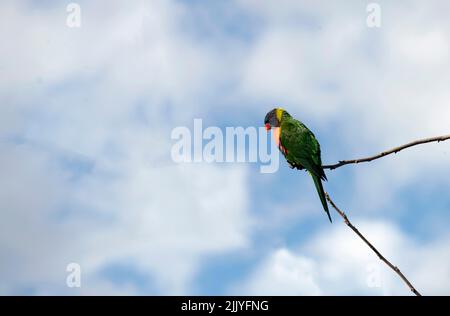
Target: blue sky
85	121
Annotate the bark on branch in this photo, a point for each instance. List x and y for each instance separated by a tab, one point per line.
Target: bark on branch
382	258
388	152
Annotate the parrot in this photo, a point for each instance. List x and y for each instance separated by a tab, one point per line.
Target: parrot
299	146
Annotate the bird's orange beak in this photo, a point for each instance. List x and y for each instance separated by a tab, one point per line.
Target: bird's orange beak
267	127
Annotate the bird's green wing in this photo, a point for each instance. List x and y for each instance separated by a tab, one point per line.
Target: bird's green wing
302	146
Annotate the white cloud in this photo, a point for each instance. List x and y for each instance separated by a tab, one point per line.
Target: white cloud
163	218
389	83
132	202
283	273
337	262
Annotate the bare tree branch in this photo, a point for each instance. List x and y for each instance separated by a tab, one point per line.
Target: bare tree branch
382	258
388	152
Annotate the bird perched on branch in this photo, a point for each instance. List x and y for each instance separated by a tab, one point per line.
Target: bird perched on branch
299	146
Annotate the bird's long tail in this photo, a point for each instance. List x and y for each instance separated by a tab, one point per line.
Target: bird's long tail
319	188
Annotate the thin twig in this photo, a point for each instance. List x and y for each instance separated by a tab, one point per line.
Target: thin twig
388	152
382	258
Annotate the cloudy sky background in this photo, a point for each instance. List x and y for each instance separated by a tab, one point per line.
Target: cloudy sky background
86	175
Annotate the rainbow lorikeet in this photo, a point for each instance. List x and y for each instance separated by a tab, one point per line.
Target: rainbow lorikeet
299	146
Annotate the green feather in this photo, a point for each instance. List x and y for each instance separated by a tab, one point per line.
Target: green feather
303	149
321	192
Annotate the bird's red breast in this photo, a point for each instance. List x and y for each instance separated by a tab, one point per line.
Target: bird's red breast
277	137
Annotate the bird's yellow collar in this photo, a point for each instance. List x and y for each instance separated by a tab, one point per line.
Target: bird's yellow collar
279	114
